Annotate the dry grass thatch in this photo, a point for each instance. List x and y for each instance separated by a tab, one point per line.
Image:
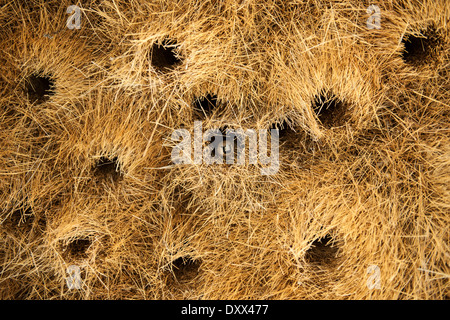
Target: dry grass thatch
86	177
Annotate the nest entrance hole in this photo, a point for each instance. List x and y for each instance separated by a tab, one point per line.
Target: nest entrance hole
77	248
39	88
185	268
322	252
24	220
420	49
163	56
107	167
330	110
284	130
204	106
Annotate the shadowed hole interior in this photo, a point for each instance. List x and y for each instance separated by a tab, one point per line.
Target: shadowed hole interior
284	130
330	110
39	88
295	143
182	201
185	268
163	55
25	220
204	106
419	49
322	252
20	220
107	167
21	216
225	147
78	247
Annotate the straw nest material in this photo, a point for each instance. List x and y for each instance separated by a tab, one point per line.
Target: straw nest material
359	206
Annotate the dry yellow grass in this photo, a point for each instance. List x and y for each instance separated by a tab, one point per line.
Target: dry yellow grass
86	176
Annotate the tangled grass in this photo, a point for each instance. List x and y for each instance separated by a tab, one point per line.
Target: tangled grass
86	176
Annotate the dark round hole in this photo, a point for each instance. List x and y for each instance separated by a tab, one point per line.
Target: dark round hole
25	220
295	143
321	252
330	110
204	106
78	247
185	268
181	198
419	49
21	220
107	168
163	56
21	216
284	129
225	147
39	88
